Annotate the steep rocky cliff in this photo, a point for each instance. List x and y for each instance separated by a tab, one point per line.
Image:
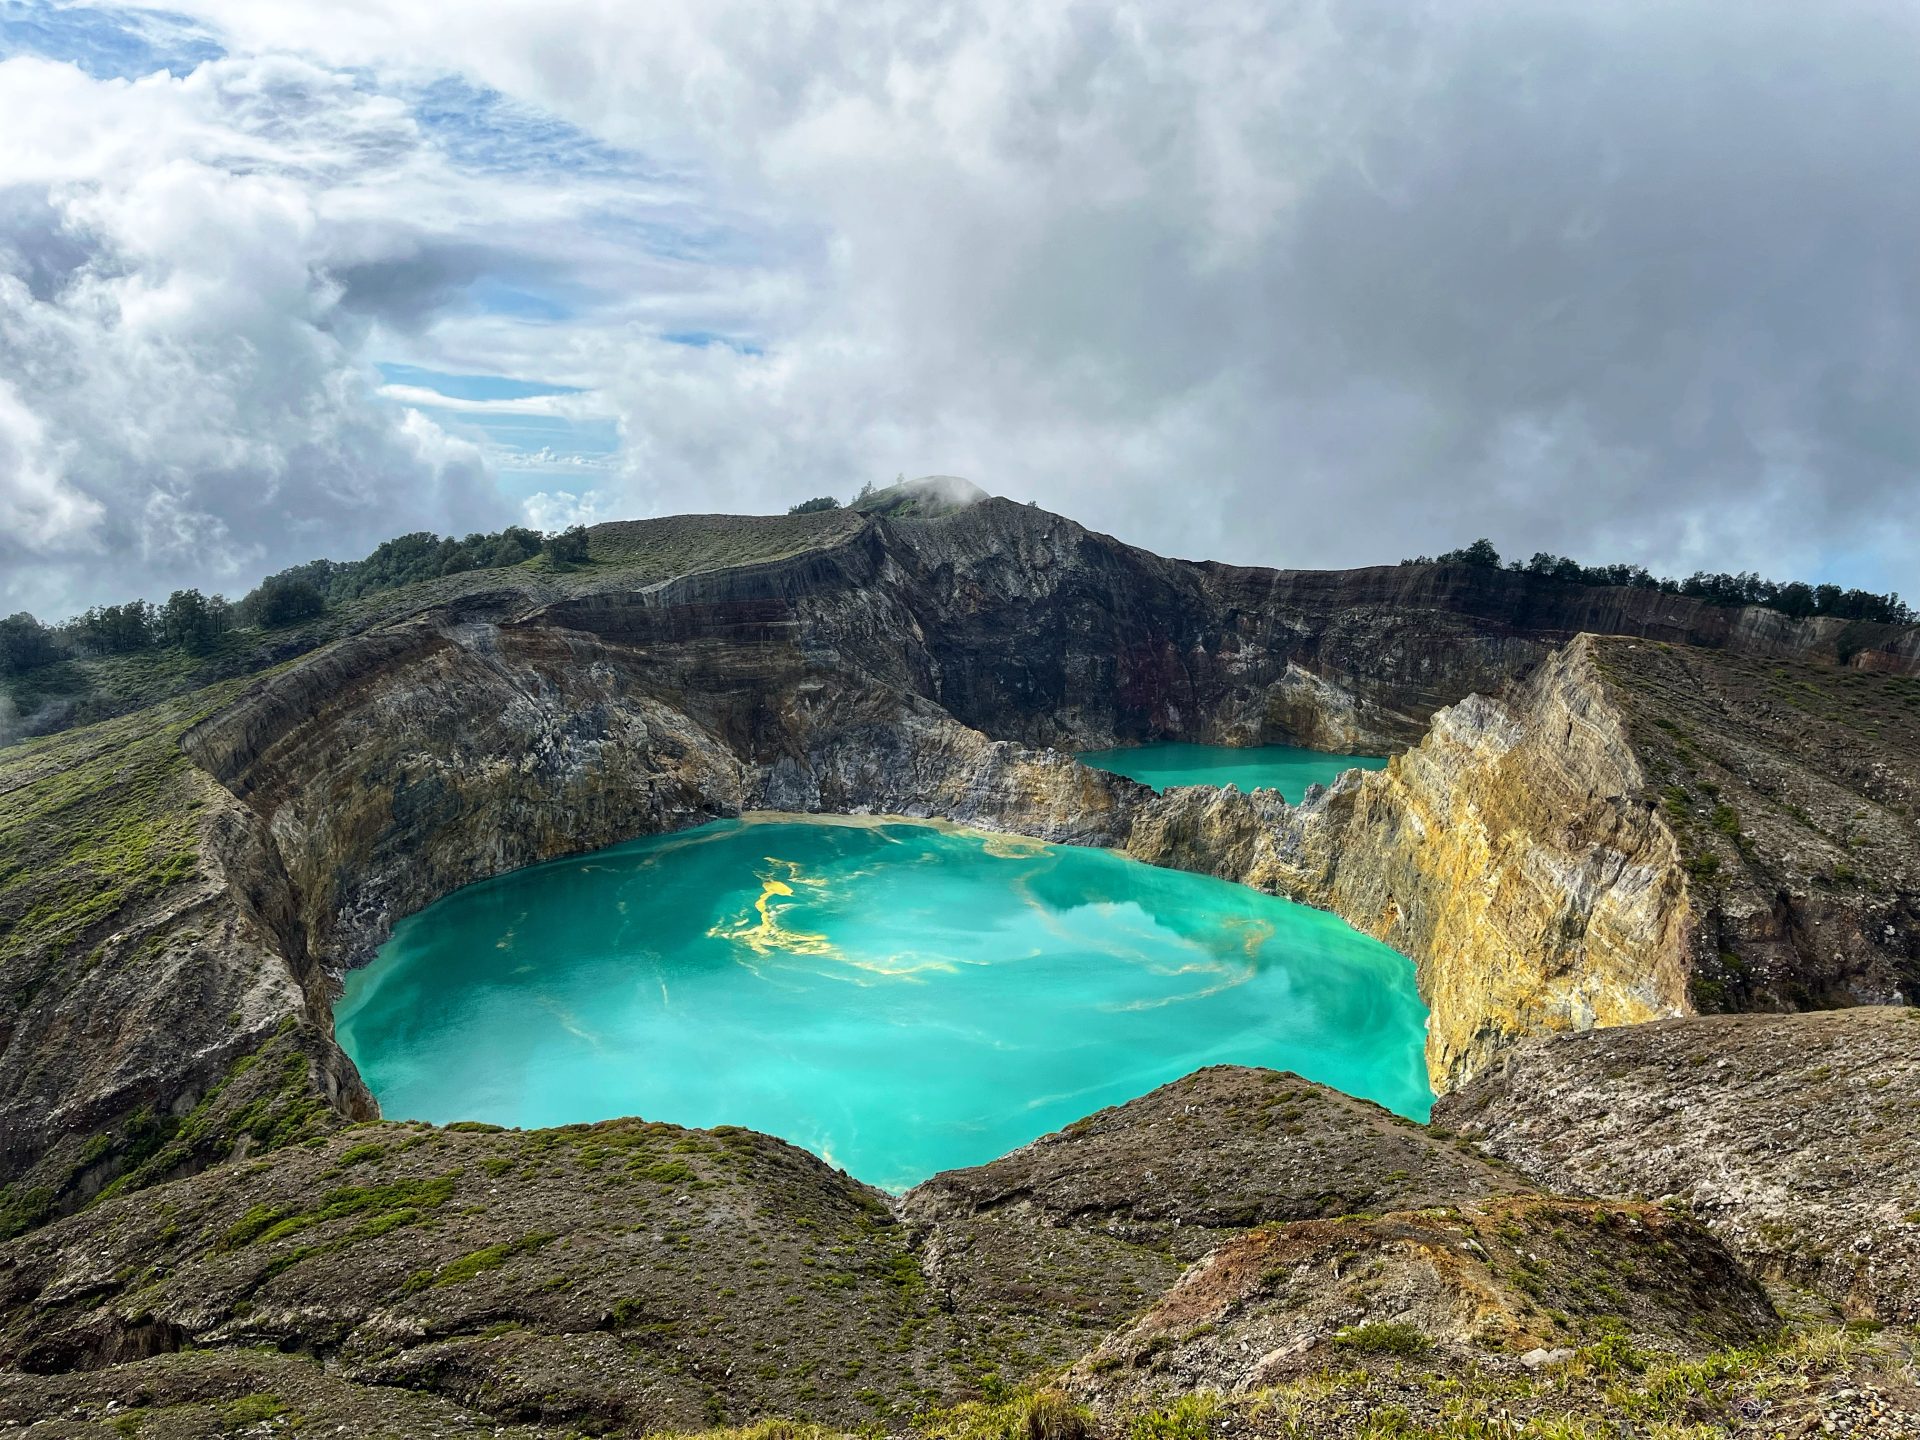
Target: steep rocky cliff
1628	833
161	926
1040	630
1037	629
1706	809
1512	854
1515	855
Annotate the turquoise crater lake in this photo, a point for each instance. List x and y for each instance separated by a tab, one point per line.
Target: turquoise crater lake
898	997
1251	767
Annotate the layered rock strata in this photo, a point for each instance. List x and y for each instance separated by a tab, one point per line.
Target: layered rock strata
906	666
1513	854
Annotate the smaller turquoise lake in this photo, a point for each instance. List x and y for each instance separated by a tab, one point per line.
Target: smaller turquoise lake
1253	767
899	997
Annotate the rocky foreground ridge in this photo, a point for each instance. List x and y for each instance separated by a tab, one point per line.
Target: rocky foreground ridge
1795	1138
1630	806
634	1277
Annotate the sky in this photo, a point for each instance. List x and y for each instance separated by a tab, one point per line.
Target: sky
1297	283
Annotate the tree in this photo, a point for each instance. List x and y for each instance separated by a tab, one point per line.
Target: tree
421	555
1480	553
818	503
191	620
25	644
399	561
1795	598
283	599
566	547
509	547
118	629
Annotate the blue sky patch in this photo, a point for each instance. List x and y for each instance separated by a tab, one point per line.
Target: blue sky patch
482	130
106	43
529	452
470	387
701	339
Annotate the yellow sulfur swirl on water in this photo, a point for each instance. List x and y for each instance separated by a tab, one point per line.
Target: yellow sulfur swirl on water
767	934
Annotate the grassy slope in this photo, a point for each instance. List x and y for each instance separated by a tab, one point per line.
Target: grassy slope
99	834
92	822
645	551
1851	1377
97	819
1817	1378
1727	742
1727	739
631	552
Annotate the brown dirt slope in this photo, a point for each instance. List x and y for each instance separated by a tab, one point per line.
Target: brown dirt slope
631	1278
212	1395
1483	1284
640	1275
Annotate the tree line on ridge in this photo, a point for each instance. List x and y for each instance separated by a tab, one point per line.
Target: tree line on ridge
195	622
1795	597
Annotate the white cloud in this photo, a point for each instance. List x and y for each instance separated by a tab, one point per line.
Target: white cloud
1626	280
420	396
551	510
36	503
172	326
547	458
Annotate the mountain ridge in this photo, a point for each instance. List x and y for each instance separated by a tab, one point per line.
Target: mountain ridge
1572	839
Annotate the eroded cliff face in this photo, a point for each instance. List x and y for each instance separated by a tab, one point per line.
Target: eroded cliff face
1511	854
1037	629
396	769
152	1018
1514	855
391	771
1627	834
905	666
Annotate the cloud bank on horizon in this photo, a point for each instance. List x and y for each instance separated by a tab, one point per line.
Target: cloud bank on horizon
1313	282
